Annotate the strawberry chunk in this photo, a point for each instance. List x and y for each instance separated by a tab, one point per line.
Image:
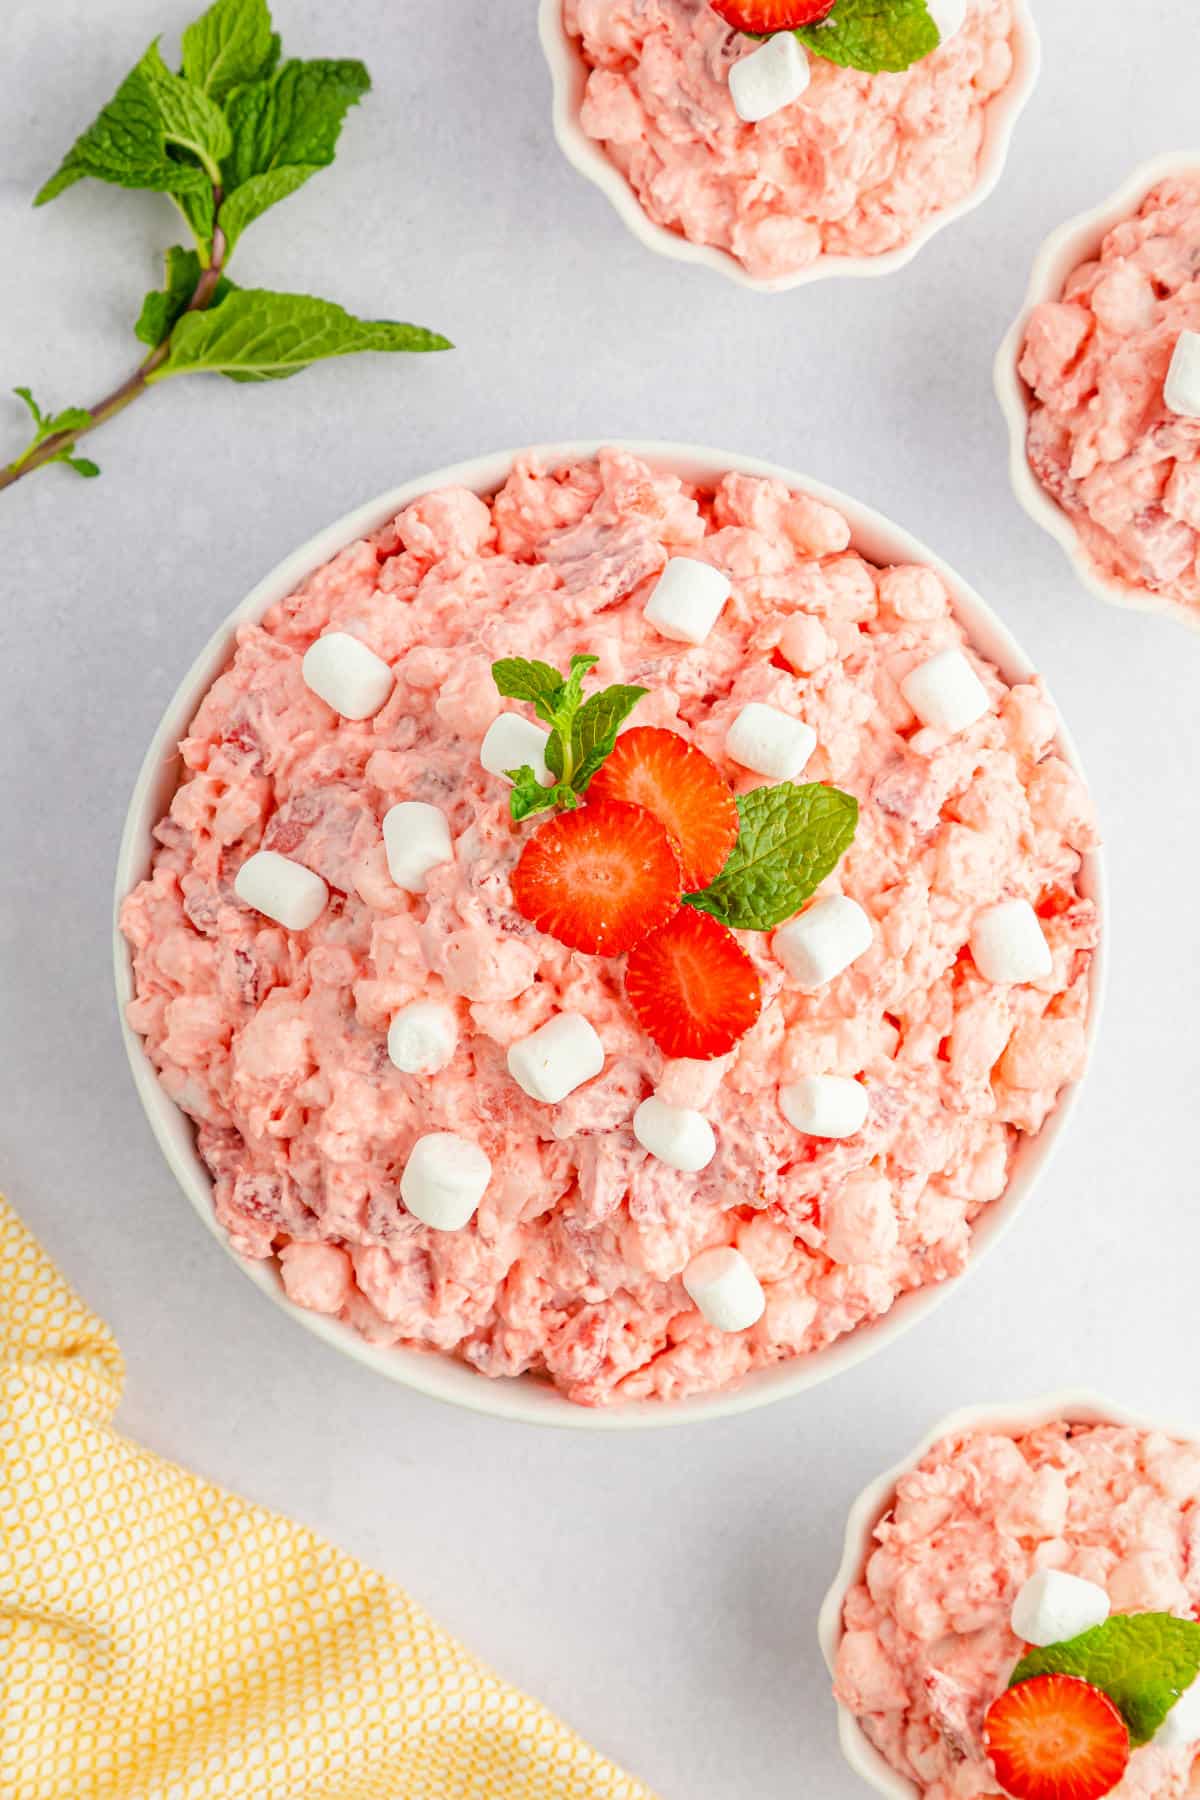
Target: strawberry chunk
692	986
760	17
1056	1738
681	786
598	879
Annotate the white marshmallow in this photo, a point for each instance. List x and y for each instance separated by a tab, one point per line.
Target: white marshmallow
1009	945
687	600
679	1137
511	742
770	78
1182	392
556	1059
1181	1727
726	1289
770	742
823	941
422	1038
945	693
825	1106
949	16
282	889
444	1180
416	839
1053	1607
347	676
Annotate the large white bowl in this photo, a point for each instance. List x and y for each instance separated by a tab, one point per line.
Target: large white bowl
1077	1406
1074	243
569	73
526	1398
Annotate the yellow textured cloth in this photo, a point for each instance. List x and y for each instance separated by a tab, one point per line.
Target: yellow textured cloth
163	1640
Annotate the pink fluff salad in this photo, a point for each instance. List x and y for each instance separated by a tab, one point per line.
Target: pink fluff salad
1101	439
928	1644
855	167
275	1043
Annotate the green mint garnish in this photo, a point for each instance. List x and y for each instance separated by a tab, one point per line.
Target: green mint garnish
791	838
582	732
228	136
1142	1661
877	36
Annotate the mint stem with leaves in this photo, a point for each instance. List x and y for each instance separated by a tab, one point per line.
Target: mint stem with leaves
233	133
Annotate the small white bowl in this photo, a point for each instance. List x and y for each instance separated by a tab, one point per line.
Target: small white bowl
1063	251
569	73
526	1398
1077	1406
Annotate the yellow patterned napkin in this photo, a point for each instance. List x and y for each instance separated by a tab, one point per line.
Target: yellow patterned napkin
163	1640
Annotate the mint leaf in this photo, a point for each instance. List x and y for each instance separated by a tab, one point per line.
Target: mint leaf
126	145
82	465
256	335
254	197
294	118
594	732
228	45
162	308
1142	1661
876	35
528	794
561	716
791	838
191	122
73	418
199	208
534	682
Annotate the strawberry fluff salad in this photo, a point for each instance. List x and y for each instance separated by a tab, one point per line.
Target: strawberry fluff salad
856	166
275	1041
929	1643
1103	439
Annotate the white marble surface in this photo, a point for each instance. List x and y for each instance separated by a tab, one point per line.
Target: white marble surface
660	1591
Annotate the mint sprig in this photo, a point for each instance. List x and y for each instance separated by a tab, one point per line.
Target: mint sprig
1144	1662
791	839
582	732
228	136
877	36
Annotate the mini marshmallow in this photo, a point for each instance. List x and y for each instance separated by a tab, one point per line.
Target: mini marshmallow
949	16
417	839
511	742
556	1059
770	742
1181	1727
825	1106
1053	1607
342	671
687	601
725	1289
1009	945
676	1135
1182	392
444	1180
282	889
945	693
422	1038
823	941
770	78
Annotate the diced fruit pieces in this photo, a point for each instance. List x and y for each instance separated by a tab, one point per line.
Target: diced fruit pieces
1056	1738
683	788
692	986
762	16
598	879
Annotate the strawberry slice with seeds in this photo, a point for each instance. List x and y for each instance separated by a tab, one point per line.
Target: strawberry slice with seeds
683	788
598	879
692	986
1056	1738
759	17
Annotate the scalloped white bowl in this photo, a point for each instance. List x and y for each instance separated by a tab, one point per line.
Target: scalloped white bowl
1062	252
529	1399
1079	1406
569	75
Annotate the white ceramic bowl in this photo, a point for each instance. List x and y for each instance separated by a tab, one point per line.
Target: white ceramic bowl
569	73
529	1399
1074	243
1077	1406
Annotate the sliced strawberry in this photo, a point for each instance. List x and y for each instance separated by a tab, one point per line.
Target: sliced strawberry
681	786
1056	1738
692	986
598	879
762	16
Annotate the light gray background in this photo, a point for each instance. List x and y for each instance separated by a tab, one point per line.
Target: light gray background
659	1590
